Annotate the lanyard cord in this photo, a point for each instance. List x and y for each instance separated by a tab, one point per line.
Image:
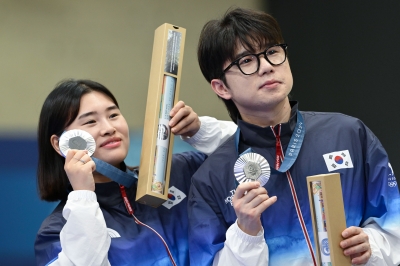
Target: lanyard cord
131	212
279	159
283	165
278	150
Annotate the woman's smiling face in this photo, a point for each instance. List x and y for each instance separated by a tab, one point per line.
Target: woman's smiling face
99	116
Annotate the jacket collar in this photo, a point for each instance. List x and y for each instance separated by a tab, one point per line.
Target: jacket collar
261	137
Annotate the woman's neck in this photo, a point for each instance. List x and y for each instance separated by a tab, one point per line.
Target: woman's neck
99	178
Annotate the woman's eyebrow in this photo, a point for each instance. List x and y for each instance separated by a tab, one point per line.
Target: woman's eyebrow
86	115
113	107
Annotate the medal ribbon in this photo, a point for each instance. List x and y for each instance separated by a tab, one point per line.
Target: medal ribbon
127	178
293	149
283	164
278	151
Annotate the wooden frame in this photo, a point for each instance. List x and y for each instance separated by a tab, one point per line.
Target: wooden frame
334	217
163	92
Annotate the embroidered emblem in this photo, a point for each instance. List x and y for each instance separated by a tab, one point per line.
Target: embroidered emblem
392	182
229	198
175	196
338	160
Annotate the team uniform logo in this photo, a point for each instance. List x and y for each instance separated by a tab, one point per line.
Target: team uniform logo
175	196
338	160
391	178
228	200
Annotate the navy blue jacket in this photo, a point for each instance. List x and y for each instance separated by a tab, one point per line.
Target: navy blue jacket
136	245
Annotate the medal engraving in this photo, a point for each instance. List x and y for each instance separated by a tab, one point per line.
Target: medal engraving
252	167
77	143
252	170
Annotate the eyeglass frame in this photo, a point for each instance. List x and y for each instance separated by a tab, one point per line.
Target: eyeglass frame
236	62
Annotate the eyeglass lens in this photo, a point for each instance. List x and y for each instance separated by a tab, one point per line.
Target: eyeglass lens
250	63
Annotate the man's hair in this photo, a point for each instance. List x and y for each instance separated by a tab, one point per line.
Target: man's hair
219	40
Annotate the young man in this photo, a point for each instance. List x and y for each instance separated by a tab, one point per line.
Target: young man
244	58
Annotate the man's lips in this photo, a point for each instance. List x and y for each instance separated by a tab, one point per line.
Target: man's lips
270	84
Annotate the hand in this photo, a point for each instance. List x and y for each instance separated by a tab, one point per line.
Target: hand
79	168
249	206
356	245
184	121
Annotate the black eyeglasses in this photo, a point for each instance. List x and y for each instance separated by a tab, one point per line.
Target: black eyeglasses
250	64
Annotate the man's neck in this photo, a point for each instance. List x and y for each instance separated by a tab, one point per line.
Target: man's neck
277	115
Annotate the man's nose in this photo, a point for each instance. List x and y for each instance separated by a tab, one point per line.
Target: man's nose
265	65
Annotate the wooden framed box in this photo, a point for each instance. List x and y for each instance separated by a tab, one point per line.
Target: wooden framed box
328	218
163	92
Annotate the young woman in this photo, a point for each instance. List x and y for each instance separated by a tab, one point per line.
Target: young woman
91	224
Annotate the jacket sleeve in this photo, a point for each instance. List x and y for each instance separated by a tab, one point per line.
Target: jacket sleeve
211	240
212	133
84	238
242	249
382	214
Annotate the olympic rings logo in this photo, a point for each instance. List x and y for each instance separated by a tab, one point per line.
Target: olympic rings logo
392	184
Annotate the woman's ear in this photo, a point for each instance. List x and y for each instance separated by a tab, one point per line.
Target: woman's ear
221	89
54	140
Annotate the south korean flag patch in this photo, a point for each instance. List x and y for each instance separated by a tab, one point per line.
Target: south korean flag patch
175	196
338	160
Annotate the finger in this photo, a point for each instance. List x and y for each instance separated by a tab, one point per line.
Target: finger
253	200
266	204
242	189
356	249
256	197
179	105
351	231
362	258
187	124
85	158
92	165
81	157
180	115
354	236
70	154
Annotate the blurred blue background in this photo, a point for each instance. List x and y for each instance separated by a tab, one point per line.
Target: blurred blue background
21	209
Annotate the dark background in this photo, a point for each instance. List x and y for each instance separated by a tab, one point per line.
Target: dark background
344	57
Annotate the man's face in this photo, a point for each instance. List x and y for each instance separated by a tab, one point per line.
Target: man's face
261	92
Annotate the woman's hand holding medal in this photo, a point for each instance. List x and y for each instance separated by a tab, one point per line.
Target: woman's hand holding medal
79	168
249	201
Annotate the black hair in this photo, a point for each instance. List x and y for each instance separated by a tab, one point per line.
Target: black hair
59	110
219	40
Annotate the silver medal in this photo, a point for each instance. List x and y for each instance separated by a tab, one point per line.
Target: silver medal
252	167
77	139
